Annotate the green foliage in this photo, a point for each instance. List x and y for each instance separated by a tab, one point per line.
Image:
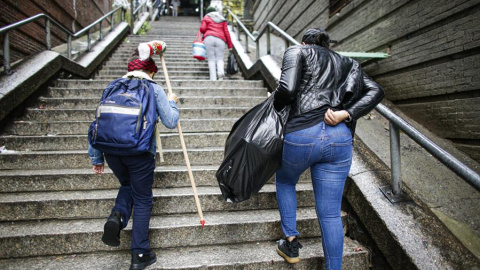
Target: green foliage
144	29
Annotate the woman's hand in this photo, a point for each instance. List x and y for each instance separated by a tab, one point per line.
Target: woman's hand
98	169
332	118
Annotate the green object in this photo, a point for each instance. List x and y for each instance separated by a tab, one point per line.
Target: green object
211	9
364	54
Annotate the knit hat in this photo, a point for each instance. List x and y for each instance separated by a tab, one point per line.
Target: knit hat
146	50
137	64
211	9
316	36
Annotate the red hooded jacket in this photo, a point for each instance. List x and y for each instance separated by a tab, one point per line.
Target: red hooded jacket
211	28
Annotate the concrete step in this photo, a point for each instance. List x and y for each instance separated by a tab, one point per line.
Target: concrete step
49	128
160	79
80	142
182	65
77	159
98	203
40	238
89	114
250	255
184	102
12	181
200	91
175	83
171	69
171	73
170	58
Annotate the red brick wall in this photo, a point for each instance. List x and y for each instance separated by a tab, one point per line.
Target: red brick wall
74	15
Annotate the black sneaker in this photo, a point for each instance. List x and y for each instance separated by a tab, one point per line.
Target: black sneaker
111	230
289	250
140	261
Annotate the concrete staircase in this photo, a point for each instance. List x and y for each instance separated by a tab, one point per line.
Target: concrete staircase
54	206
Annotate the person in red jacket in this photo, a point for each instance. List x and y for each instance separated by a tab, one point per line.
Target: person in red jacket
215	35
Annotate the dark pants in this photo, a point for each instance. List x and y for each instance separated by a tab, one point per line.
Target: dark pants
135	174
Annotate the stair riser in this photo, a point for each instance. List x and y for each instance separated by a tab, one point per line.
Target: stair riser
174	65
165	177
101	207
225	92
41	161
80	142
23	128
194	235
169	59
174	83
91	181
213	102
120	71
171	73
89	114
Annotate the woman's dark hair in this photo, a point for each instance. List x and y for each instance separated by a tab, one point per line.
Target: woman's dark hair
134	55
316	36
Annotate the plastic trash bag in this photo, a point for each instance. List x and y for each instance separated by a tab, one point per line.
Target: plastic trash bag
253	151
232	67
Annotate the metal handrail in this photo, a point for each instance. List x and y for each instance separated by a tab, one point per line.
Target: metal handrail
134	11
286	37
394	194
6	43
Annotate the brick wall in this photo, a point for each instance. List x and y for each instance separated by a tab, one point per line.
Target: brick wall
30	38
434	65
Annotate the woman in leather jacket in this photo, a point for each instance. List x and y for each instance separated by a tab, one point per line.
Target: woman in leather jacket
326	93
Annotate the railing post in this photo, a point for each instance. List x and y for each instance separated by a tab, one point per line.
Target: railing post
101	31
246	43
89	41
132	16
238	32
69	46
123	14
394	192
111	23
47	34
257	44
269	47
6	53
395	159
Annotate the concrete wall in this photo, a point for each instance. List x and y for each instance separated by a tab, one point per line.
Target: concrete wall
433	72
72	14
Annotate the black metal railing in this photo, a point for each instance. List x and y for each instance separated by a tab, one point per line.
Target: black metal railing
393	192
48	20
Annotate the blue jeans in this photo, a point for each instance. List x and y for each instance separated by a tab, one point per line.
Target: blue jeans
327	151
135	174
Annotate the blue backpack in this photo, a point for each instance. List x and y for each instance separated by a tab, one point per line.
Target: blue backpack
125	118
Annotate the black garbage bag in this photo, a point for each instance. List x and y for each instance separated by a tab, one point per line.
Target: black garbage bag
232	67
253	151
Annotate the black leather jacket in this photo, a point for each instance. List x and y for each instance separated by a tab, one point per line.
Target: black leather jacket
313	76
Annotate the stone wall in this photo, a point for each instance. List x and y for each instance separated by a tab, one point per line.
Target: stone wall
434	45
28	39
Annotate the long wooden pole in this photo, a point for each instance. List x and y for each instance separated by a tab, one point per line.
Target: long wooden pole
184	148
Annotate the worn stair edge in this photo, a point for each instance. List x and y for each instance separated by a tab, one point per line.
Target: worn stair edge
97	203
80	142
250	255
85	179
79	159
37	238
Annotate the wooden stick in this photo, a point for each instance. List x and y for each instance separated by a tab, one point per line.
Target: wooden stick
184	148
